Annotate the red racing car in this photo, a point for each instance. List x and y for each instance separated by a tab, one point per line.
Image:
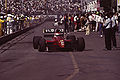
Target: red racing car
58	42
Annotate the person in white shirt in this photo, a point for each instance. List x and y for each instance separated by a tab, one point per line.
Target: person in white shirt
93	22
87	27
119	22
114	29
90	19
108	31
97	20
10	21
75	23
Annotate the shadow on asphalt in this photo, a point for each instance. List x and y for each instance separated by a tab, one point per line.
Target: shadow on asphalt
88	50
116	49
24	42
62	51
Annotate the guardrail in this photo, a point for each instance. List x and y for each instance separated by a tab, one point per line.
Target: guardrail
28	26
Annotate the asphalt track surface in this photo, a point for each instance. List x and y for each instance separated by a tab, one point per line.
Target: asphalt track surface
19	61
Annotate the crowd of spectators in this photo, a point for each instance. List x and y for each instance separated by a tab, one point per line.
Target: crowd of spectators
23	6
18	14
38	6
18	17
106	24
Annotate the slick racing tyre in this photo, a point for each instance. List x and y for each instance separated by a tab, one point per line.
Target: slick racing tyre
42	45
36	41
80	43
73	41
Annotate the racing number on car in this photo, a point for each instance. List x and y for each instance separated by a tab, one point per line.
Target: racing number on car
62	43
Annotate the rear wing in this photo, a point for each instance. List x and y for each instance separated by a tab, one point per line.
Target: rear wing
52	30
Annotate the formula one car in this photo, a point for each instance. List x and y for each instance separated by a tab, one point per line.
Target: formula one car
58	42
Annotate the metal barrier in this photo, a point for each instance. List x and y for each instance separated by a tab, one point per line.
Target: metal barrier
17	25
18	29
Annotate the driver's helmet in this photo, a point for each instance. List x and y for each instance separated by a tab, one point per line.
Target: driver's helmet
57	33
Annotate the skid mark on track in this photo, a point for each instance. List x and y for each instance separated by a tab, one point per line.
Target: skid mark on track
11	43
75	65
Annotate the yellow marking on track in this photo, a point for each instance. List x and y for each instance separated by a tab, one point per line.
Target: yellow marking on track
76	68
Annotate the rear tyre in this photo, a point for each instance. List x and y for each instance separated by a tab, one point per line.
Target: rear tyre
36	41
72	43
80	43
42	45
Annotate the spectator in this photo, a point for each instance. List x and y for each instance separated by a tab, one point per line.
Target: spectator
114	27
91	20
75	23
78	22
119	22
1	26
10	23
100	22
72	22
82	22
66	24
108	31
87	27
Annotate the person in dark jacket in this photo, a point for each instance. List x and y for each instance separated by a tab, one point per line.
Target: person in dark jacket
78	22
66	23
